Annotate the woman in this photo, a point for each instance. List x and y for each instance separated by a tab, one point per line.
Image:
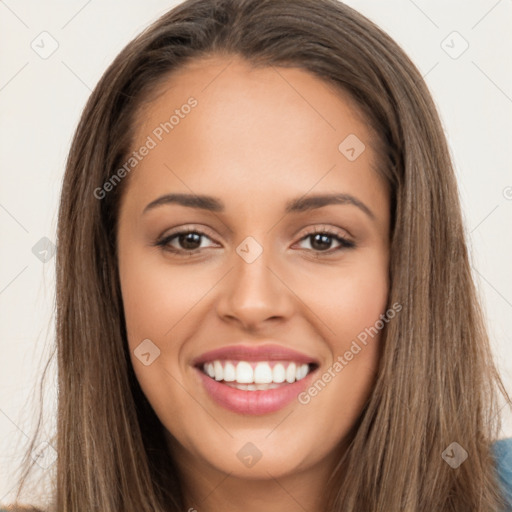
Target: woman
264	298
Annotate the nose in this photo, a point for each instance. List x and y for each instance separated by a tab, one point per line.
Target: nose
255	293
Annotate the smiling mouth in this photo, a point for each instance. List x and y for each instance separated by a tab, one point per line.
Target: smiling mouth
256	375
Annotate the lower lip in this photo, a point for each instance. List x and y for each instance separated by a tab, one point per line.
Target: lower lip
253	402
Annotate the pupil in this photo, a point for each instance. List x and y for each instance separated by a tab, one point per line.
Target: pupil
190	238
322	239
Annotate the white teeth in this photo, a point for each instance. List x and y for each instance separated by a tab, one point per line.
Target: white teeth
301	372
262	376
219	371
252	387
262	373
229	372
291	373
278	373
210	370
244	373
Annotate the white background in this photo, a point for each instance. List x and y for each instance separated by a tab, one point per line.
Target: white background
41	101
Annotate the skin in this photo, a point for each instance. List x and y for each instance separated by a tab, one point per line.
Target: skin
257	138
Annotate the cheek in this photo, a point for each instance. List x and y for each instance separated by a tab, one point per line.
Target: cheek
350	299
361	299
351	307
157	301
157	296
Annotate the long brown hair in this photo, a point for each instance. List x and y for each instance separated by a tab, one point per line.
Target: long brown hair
437	382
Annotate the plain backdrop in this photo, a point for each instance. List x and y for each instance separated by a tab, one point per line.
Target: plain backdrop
463	48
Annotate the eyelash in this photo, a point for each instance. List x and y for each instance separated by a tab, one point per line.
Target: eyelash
344	242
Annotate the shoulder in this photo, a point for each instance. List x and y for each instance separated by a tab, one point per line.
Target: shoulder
503	452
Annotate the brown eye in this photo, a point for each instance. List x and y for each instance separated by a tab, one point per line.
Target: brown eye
189	241
183	241
322	240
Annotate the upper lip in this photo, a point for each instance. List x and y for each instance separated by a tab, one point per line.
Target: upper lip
267	352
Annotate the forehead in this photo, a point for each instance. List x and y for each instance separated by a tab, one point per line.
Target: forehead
222	81
251	130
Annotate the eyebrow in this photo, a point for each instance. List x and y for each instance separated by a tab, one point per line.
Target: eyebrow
300	204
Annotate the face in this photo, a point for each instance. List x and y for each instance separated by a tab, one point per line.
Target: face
239	303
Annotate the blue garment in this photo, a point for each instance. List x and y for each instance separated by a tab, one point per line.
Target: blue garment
503	452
